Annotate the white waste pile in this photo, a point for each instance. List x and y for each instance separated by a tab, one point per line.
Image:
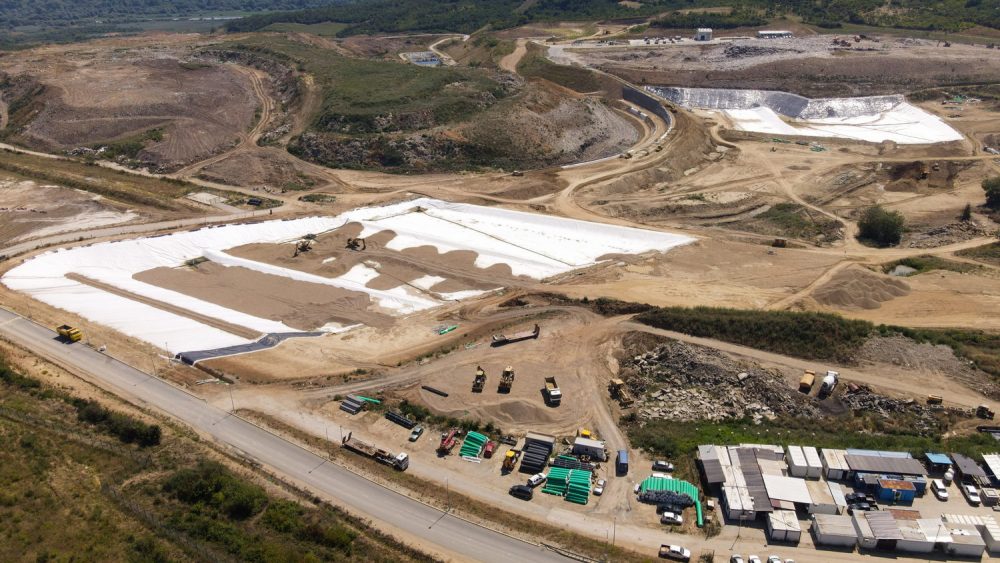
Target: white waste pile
533	245
873	118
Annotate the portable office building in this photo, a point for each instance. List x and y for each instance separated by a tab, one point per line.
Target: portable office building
814	463
797	466
593	448
966	541
835	464
894	491
833	530
783	525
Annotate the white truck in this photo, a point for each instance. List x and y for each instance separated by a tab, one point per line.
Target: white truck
829	383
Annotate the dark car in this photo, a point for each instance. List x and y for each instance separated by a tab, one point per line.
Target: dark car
855	497
859	507
522	492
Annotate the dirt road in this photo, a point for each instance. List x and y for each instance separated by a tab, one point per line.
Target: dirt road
509	62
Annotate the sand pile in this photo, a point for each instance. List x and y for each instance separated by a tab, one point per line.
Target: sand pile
856	288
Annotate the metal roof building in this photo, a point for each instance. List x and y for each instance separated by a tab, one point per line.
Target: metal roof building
967	470
783	525
877	530
966	541
815	465
833	530
835	464
992	462
885	465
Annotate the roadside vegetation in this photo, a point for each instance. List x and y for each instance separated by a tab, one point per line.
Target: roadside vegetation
989	253
929	263
534	64
152	502
797	221
119	186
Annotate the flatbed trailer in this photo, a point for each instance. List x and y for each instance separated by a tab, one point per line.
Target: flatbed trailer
398	461
502	339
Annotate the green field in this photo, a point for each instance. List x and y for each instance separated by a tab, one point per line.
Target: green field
326	29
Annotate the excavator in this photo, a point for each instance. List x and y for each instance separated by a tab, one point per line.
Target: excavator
356	244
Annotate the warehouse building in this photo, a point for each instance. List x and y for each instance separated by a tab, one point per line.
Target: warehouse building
593	448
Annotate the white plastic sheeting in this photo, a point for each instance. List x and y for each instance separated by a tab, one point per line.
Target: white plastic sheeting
533	245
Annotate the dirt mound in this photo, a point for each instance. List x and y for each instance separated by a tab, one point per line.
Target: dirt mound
927	358
855	288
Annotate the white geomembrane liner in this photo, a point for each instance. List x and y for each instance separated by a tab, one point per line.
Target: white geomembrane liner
537	246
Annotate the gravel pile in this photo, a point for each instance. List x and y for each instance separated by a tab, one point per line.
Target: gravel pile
947	234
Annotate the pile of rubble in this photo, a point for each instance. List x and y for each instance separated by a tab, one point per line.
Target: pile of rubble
924	419
691	383
737	51
947	234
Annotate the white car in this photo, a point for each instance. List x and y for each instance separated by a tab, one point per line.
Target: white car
638	487
939	488
537	479
774	559
662	465
599	489
671	518
675	552
735	559
971	495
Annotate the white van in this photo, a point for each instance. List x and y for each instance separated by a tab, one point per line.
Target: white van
939	489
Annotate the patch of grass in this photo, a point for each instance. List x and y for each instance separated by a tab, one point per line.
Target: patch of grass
929	263
318	198
818	336
989	253
796	221
131	147
119	186
681	439
325	29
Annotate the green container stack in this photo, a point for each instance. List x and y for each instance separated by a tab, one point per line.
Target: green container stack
578	490
558	480
473	445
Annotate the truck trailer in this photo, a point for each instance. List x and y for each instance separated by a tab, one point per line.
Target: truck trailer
552	393
398	461
502	339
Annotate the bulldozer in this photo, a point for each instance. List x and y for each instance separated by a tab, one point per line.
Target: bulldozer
620	392
357	244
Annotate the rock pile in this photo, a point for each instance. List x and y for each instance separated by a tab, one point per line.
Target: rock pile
947	234
691	383
924	419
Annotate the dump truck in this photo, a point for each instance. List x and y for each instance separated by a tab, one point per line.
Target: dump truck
984	411
398	461
506	380
502	339
448	440
480	381
552	393
620	392
70	333
829	383
934	399
807	381
510	460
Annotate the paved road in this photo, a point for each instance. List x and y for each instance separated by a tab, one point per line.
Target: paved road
450	536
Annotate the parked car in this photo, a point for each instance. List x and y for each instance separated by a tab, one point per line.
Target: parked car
661	465
971	495
522	492
753	559
735	559
859	507
599	488
417	432
774	559
537	479
638	486
675	552
939	489
855	498
671	518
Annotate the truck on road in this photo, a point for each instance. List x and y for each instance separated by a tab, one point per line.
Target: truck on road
552	393
69	333
502	339
398	461
480	381
506	380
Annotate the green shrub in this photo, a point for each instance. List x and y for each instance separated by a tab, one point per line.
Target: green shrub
124	427
211	484
992	188
880	226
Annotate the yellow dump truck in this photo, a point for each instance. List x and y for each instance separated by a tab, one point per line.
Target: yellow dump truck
70	333
807	381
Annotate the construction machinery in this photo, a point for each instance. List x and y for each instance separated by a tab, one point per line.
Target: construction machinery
620	392
506	380
398	461
502	339
304	245
69	333
480	381
552	393
934	399
984	411
807	381
510	460
829	383
356	244
448	440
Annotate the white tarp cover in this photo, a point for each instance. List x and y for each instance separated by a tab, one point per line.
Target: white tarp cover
533	245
